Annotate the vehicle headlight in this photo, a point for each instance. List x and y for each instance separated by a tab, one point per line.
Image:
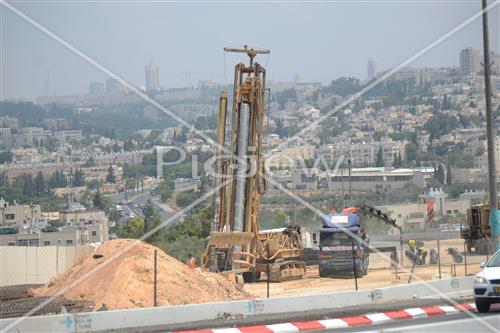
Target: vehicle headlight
480	280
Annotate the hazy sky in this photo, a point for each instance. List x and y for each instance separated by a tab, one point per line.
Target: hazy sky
321	41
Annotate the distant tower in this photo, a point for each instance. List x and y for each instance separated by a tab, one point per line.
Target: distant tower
152	77
470	60
371	69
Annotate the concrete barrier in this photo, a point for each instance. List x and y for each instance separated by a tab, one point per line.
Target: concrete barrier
40	263
186	316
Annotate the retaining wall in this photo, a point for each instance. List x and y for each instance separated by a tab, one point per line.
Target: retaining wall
186	316
37	264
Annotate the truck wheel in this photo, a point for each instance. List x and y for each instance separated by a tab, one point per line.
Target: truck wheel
482	306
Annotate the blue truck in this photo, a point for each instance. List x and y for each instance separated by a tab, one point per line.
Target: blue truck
341	254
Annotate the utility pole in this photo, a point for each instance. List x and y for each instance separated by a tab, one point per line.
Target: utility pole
490	133
350	183
342	186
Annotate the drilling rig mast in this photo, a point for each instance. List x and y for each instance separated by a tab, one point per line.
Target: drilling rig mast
235	242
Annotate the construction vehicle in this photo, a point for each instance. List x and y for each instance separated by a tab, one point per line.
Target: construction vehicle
477	233
235	243
344	244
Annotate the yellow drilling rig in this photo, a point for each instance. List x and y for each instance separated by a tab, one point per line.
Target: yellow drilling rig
236	243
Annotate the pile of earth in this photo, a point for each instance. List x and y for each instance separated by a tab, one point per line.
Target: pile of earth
115	278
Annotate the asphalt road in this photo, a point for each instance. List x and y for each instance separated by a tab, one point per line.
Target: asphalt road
134	205
462	322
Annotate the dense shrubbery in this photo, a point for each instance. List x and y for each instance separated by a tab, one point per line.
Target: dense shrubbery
188	236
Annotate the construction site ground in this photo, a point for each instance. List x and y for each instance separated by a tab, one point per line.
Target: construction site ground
127	282
380	274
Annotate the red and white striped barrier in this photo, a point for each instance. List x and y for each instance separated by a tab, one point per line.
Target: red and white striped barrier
373	318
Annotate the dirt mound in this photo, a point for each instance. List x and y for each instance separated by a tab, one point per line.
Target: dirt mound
128	281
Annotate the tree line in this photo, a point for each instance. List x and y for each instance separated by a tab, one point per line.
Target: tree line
26	186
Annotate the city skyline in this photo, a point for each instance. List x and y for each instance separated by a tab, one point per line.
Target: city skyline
334	45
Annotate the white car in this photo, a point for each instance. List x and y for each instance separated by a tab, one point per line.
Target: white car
487	284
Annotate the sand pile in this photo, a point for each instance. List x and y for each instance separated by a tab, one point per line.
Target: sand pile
127	282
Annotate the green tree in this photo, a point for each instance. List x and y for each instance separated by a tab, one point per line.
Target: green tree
49	144
284	96
149	211
151	223
165	189
5	157
375	226
184	245
279	220
57	180
94	184
380	158
184	199
128	145
78	178
132	228
98	200
440	124
449	178
411	152
344	86
25	181
110	177
439	174
395	160
90	162
39	184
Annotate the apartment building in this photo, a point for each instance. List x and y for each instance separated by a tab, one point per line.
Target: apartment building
12	215
382	179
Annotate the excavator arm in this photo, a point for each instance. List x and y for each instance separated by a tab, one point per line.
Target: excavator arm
377	214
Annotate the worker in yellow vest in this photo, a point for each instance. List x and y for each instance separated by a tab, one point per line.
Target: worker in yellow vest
422	252
411	244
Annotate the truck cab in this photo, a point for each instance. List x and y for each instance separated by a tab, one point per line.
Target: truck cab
340	253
